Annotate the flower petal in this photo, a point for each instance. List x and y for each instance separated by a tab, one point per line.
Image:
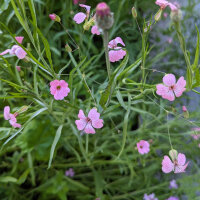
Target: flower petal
20	53
180	87
181	159
81	115
5	52
19	39
161	89
167	165
97	123
79	17
119	40
89	129
116	55
180	168
95	30
6	113
93	114
169	80
86	7
81	124
169	95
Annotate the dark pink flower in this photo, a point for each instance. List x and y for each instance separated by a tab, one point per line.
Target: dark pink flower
52	16
143	147
178	164
87	124
59	88
18	68
184	109
170	88
11	117
95	30
173	184
102	9
16	49
70	172
80	17
117	53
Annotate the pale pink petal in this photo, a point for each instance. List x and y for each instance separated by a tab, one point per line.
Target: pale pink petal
167	165
169	80
55	83
180	87
6	113
161	89
95	30
19	39
81	124
172	7
81	115
97	123
169	95
15	125
180	169
89	128
93	114
181	159
63	83
61	93
119	40
86	7
5	52
20	53
162	3
79	17
116	55
13	49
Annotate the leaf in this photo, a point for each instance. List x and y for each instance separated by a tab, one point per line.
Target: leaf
7	179
55	141
196	60
23	177
120	99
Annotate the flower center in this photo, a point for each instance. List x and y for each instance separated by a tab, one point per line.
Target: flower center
141	146
88	120
58	87
175	162
171	87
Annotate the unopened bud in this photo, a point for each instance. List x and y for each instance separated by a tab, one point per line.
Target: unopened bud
173	154
22	109
176	15
134	12
18	68
104	17
54	17
158	15
185	112
68	48
89	23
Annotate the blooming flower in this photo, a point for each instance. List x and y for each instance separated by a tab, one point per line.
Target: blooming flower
143	147
52	16
173	184
87	124
117	53
173	198
170	88
16	49
150	197
59	88
80	17
95	30
178	164
11	117
163	4
70	172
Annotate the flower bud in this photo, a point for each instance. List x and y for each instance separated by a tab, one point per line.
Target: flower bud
54	17
88	24
104	17
173	154
158	15
176	15
68	48
22	109
134	12
18	68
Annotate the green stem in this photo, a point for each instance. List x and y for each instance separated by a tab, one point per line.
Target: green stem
105	41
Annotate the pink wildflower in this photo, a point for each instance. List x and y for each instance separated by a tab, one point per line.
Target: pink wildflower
163	4
95	30
11	117
70	172
178	164
170	88
59	88
80	17
18	68
16	49
173	198
102	9
87	124
184	109
173	184
117	53
52	16
195	136
150	197
143	147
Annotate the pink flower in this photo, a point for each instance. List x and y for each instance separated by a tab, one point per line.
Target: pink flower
102	9
178	164
16	49
52	16
18	68
80	17
173	198
170	88
150	197
95	30
70	172
163	4
117	53
173	184
184	109
78	1
143	147
59	88
195	136
11	117
87	124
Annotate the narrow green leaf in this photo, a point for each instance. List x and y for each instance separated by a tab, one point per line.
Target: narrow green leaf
196	60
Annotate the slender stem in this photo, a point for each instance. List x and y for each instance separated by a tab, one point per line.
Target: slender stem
105	41
168	132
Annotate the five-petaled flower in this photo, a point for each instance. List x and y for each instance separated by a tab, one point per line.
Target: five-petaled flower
70	172
150	197
59	88
170	88
16	49
116	53
87	124
177	164
143	147
11	117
